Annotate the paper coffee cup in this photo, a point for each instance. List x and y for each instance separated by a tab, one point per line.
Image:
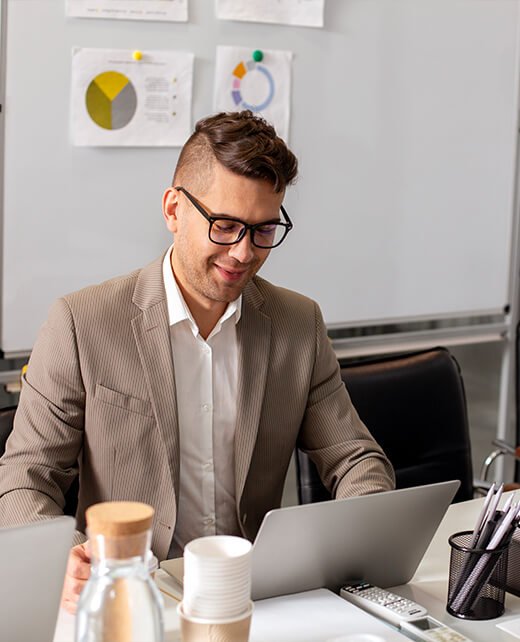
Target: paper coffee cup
235	629
217	577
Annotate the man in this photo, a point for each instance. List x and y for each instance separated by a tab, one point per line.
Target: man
188	383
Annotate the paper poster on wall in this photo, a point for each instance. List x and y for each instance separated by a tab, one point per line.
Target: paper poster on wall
259	80
304	13
175	10
125	98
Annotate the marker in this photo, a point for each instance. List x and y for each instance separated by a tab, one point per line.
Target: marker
258	55
137	55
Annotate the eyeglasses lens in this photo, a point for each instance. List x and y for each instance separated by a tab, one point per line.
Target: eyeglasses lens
229	232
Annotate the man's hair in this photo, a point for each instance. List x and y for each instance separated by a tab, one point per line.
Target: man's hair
243	143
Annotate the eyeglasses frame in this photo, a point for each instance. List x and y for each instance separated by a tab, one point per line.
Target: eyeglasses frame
288	224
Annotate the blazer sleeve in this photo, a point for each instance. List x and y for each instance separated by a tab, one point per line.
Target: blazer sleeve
41	456
348	459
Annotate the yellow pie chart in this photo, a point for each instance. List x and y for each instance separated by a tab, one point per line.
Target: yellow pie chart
111	100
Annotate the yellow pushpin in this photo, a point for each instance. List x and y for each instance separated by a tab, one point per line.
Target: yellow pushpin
137	55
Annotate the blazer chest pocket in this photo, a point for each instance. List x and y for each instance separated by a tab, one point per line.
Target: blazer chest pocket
126	402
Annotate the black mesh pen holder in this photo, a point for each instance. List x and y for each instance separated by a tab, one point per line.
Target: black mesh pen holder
477	579
513	565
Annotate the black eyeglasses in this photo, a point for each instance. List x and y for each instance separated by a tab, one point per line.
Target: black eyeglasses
226	230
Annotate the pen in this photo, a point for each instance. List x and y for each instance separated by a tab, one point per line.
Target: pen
503	527
488	527
494	502
483	512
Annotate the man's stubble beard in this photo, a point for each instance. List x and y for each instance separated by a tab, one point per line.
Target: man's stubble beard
202	282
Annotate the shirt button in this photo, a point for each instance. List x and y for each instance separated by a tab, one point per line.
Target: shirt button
206	407
209	521
208	465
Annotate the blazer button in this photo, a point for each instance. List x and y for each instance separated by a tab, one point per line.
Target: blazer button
244	519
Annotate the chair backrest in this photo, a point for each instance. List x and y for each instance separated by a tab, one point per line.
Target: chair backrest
6	425
415	407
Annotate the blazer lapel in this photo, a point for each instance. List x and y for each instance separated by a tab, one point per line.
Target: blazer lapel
152	336
254	339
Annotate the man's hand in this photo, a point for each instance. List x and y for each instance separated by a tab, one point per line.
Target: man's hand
78	572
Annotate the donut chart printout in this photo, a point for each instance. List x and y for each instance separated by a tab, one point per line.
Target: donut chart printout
256	79
128	98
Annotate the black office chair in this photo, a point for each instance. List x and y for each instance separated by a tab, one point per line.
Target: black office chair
415	407
6	426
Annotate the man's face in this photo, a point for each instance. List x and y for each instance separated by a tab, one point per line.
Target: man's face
212	273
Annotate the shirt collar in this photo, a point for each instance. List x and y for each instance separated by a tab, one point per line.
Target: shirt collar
178	309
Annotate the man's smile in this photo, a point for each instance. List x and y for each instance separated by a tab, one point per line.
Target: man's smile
230	274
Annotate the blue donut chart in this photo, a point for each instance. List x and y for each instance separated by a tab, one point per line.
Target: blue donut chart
238	73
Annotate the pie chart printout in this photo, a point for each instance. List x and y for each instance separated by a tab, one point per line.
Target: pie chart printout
111	100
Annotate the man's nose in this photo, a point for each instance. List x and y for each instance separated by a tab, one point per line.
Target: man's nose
243	250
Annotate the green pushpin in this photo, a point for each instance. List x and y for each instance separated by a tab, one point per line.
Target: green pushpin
258	56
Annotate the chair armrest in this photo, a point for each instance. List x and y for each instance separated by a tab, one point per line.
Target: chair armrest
502	448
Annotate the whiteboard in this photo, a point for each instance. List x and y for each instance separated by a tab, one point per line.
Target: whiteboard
404	119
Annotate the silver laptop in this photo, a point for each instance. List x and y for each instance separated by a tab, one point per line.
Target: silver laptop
378	538
33	560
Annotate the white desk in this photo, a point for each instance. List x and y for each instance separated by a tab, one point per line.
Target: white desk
319	616
315	616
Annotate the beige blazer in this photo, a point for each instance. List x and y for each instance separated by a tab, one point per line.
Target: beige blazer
100	390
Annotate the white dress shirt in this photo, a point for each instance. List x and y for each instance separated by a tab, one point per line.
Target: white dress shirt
206	381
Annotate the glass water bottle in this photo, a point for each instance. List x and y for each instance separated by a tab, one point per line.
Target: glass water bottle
120	602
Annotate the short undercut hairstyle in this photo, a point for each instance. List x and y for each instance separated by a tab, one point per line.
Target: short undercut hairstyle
243	143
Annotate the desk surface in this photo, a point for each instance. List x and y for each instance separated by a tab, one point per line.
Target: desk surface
320	616
314	616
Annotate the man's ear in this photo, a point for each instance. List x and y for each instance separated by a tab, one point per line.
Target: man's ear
170	202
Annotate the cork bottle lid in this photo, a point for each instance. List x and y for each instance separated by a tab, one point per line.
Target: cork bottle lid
114	519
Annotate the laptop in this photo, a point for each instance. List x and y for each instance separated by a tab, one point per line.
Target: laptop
379	538
33	560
